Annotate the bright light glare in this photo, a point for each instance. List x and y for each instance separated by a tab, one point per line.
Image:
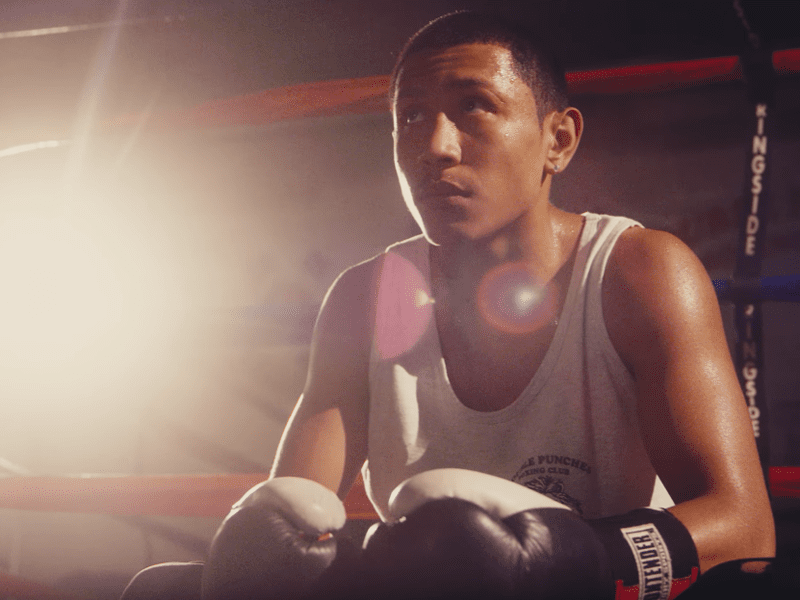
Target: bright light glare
404	307
421	298
54	284
526	298
84	304
58	298
511	300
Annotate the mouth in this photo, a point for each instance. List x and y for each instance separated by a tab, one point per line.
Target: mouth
442	190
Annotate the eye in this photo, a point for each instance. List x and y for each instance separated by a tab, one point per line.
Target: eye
474	104
411	115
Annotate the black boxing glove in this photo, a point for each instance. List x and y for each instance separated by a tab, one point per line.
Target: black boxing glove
644	554
452	548
275	543
467	530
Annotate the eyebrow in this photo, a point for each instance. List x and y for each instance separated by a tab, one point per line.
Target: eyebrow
452	84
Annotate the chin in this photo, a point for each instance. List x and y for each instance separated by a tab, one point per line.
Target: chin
453	235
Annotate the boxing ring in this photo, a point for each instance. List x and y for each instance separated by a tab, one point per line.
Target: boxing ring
212	495
186	495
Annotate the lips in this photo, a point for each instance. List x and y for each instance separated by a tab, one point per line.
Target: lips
444	190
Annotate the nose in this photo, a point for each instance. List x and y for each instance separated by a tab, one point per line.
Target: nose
443	146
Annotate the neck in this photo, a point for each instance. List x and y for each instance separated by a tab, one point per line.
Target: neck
542	245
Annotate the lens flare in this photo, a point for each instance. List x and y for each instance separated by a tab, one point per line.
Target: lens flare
404	307
511	300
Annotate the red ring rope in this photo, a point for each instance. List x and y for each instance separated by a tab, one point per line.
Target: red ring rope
198	495
370	94
162	495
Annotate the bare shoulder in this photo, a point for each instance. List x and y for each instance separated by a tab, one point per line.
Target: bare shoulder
351	288
343	321
651	256
655	292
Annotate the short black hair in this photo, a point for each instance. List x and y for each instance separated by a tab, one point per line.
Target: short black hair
532	59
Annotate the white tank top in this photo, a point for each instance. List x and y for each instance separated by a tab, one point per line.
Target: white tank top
572	434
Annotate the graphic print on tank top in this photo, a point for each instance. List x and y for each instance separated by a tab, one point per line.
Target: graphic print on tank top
549	475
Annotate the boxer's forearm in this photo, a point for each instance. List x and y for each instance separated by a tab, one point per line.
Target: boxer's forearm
325	439
313	447
726	529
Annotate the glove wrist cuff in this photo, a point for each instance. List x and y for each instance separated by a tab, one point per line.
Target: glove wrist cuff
652	554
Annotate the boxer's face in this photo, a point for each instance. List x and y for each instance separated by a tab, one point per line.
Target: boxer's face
469	150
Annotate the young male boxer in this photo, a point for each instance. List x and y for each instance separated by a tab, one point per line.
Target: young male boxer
544	383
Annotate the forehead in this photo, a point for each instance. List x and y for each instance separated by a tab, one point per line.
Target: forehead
486	65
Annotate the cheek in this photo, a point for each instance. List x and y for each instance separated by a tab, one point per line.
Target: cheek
405	188
525	157
523	137
403	158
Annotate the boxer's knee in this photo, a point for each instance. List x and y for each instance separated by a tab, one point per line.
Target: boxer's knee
167	581
739	580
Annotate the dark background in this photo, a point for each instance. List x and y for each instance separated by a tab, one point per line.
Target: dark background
218	243
213	48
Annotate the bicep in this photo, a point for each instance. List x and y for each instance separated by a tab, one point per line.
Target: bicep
325	438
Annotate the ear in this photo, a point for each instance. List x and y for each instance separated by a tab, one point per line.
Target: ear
565	129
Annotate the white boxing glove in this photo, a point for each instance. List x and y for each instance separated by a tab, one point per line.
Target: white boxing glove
499	497
310	506
276	542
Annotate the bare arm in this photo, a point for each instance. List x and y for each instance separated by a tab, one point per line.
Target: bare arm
663	318
326	437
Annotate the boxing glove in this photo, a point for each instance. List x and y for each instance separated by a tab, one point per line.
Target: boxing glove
276	542
448	548
520	544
